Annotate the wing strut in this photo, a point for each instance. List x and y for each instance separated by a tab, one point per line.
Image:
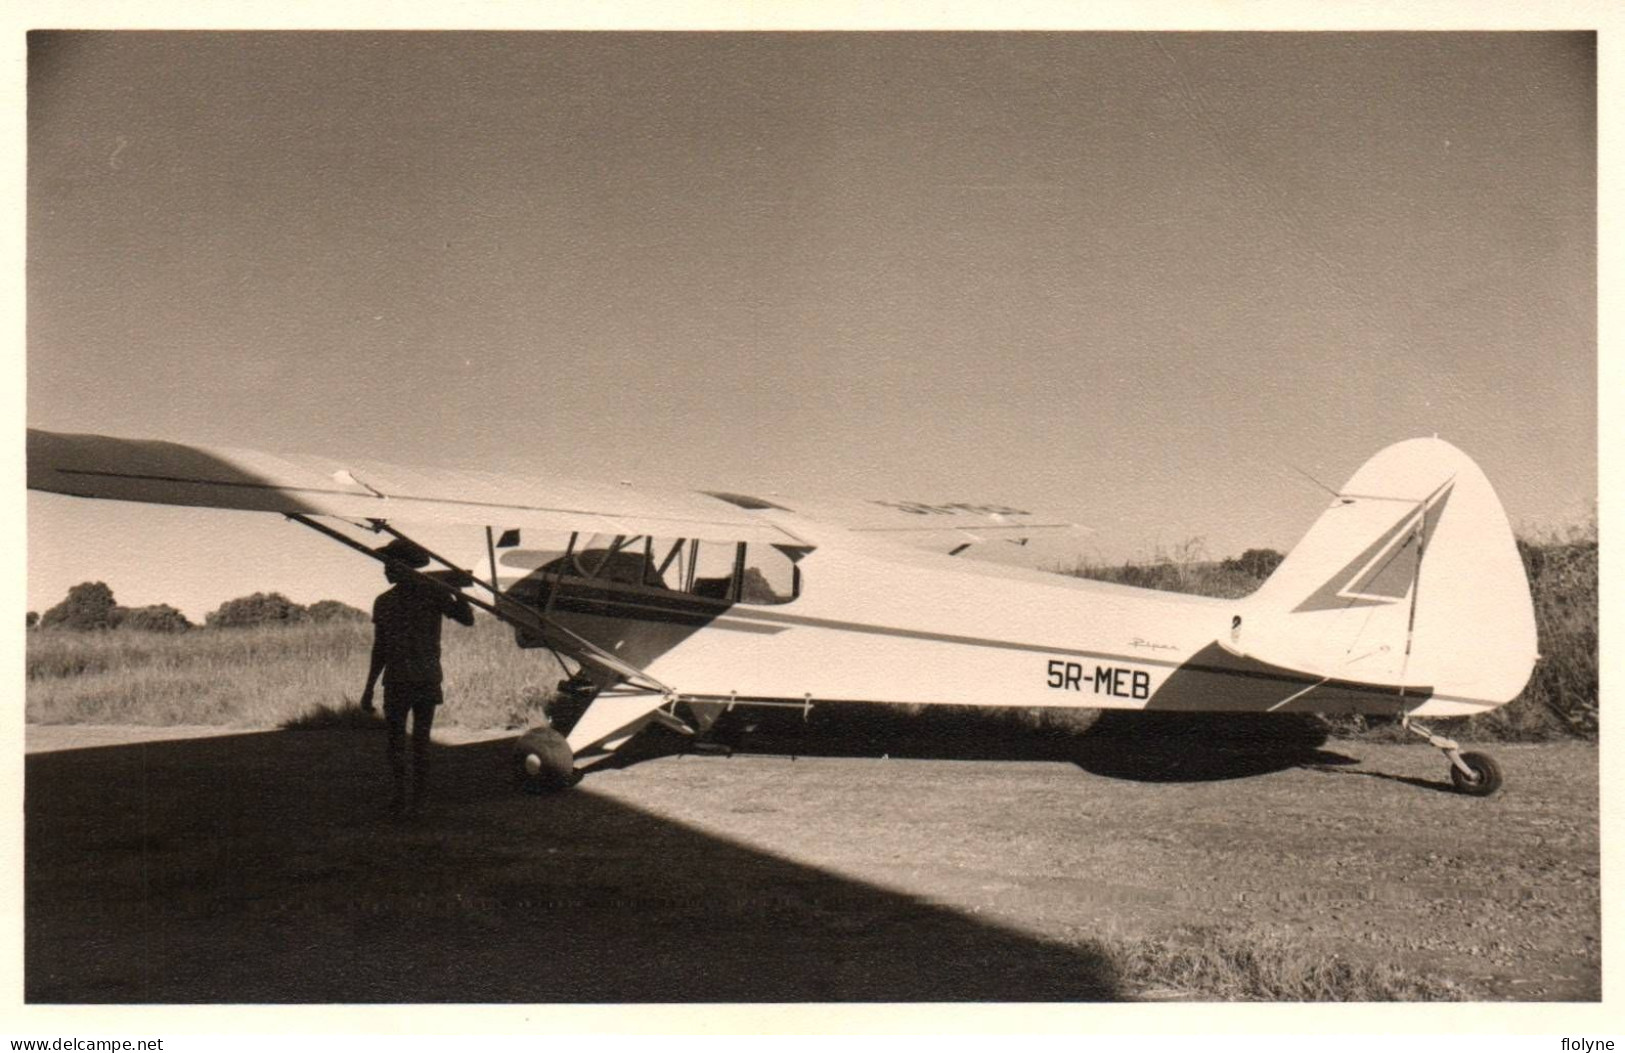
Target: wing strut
505	608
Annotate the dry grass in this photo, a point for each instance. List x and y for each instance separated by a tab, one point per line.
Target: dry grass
266	677
1205	963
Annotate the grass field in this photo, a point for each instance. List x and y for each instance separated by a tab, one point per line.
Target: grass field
267	676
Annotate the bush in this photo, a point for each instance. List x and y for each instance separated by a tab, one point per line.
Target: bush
1561	698
156	618
33	618
262	608
89	606
323	611
1257	563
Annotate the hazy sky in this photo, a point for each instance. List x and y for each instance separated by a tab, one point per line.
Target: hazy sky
1131	278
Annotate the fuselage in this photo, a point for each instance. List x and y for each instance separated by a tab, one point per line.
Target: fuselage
870	621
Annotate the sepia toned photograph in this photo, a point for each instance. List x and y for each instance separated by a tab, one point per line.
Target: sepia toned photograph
576	517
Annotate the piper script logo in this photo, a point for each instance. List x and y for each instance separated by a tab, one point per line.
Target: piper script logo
1385	571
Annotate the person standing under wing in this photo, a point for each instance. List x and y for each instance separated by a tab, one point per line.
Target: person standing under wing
406	652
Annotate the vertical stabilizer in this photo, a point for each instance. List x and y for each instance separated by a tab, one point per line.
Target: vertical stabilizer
1411	578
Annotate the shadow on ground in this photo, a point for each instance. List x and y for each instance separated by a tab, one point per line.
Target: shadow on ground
1137	746
1436	785
262	868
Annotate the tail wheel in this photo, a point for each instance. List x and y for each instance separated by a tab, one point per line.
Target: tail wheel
543	763
1486	777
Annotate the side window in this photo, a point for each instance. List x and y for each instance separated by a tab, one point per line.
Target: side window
712	570
617	559
732	572
667	566
700	568
770	576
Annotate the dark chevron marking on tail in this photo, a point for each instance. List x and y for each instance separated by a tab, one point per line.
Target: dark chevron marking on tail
1383	572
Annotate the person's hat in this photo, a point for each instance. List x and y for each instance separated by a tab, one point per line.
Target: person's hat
404	551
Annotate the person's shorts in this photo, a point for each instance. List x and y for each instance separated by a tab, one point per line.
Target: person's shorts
418	699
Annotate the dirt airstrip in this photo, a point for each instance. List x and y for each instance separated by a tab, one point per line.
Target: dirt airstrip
233	866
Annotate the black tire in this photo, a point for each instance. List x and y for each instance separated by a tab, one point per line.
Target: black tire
1485	780
543	763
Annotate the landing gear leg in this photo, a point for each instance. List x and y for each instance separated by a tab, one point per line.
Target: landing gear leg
1475	774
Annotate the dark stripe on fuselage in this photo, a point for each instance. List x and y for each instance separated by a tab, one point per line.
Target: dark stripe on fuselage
574	595
611	600
637	612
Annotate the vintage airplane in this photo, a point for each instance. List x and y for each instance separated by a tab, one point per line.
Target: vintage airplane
1406	598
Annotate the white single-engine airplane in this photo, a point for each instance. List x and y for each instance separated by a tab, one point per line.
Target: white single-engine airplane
1407	597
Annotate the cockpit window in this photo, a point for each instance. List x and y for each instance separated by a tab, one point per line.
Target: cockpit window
619	559
736	573
712	570
725	571
770	576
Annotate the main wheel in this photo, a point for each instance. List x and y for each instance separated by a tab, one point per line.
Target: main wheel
1486	777
542	762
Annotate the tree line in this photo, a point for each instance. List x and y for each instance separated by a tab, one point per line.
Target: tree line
90	607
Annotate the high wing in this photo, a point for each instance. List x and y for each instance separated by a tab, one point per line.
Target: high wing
216	477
